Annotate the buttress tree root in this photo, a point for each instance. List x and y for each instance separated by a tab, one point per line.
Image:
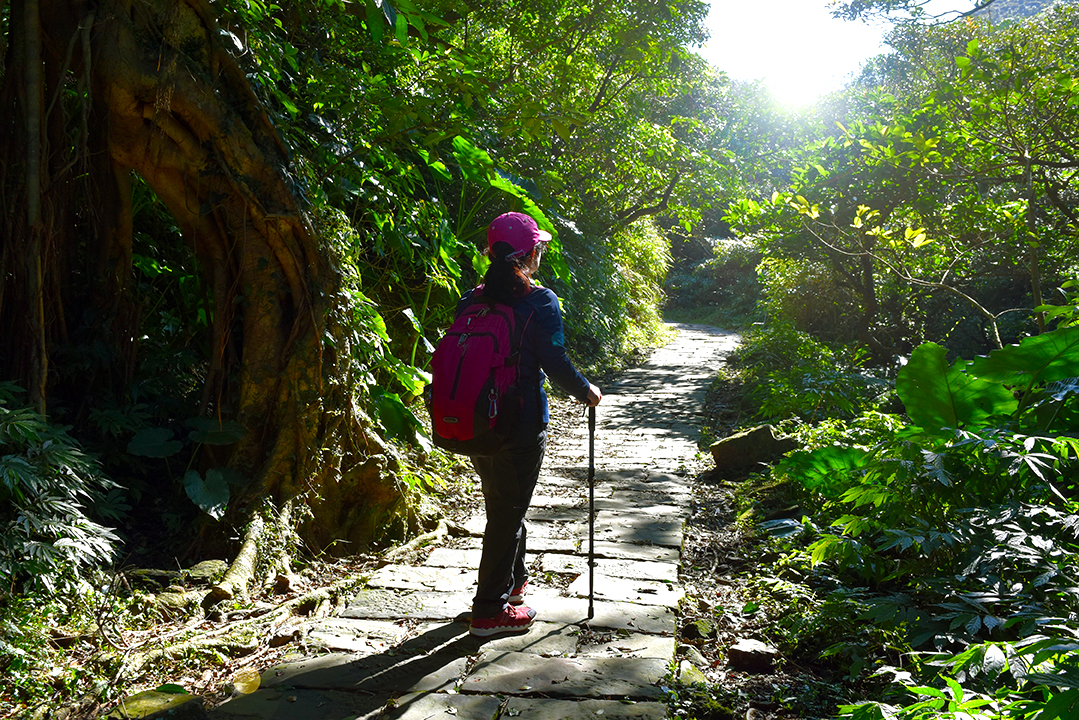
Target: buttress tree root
159	95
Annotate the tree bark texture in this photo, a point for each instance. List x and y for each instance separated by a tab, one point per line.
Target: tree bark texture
164	99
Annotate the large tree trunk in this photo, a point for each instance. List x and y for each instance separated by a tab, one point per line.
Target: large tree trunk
169	103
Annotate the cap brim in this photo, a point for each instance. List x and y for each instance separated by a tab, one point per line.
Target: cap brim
543	235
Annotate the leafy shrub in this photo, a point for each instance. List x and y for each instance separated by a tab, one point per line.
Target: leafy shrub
48	490
790	373
963	529
805	296
611	308
726	283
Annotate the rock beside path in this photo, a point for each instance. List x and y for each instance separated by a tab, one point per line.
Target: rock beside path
752	656
746	451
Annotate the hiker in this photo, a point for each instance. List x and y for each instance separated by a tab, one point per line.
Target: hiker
515	246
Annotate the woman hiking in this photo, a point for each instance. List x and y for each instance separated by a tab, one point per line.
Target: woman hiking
515	246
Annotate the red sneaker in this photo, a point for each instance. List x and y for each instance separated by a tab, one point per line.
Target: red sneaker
517	597
510	620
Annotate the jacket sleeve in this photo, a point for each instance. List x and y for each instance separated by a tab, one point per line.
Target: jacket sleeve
550	346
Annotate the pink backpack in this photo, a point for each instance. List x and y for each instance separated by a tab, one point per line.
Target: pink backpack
475	398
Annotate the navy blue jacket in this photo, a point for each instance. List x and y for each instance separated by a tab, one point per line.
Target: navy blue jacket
543	353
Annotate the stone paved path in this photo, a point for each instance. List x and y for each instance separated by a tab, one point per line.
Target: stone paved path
402	651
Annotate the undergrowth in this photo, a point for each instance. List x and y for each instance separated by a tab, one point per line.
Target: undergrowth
924	565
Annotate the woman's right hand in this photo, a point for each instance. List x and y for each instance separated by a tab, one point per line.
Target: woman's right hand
594	396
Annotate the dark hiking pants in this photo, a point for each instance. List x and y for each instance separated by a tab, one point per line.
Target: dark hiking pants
508	480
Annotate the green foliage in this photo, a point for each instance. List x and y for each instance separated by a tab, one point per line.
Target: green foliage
961	528
725	283
613	307
52	497
940	396
934	210
789	373
807	297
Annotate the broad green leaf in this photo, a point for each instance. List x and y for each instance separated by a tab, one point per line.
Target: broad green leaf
554	248
411	315
957	689
562	129
448	260
1038	359
171	689
1060	705
440	171
395	416
155	443
209	431
476	164
938	396
210	495
411	377
926	690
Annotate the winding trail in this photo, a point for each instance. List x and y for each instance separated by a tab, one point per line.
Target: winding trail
401	649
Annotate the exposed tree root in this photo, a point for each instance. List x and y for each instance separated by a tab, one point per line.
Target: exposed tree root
241	636
435	537
241	573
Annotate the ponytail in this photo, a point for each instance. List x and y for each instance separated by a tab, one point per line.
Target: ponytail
506	280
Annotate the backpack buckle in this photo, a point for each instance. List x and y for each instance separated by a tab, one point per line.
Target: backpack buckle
492	404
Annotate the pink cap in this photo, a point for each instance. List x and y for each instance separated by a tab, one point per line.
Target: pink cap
518	230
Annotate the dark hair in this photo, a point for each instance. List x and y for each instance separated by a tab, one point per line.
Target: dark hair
506	280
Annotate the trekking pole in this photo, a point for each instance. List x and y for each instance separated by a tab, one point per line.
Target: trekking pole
591	506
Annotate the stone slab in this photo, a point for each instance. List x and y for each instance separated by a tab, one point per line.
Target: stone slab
539	531
564	542
383	604
363	637
537	527
553	501
633	501
546	639
642	569
561	481
510	673
654	619
422	706
450	557
626	644
383	673
549	709
409	577
561	514
293	703
633	590
631	551
633	528
656	480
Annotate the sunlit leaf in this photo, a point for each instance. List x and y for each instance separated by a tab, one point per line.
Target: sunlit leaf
1038	359
211	494
937	395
